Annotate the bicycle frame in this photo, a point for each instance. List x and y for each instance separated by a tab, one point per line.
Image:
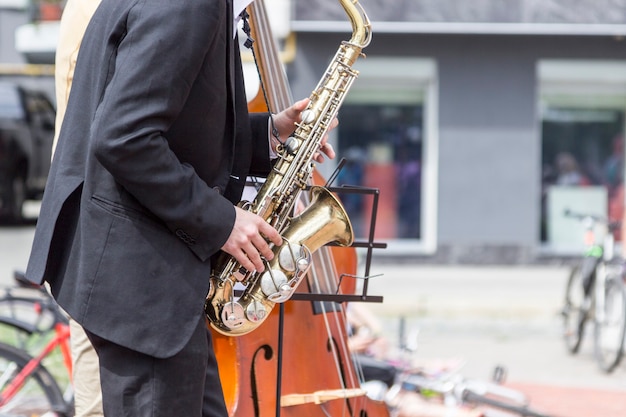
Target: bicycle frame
599	271
456	390
61	339
598	254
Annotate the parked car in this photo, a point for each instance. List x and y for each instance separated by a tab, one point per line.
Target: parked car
26	135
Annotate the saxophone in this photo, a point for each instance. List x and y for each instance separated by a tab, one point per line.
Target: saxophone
322	222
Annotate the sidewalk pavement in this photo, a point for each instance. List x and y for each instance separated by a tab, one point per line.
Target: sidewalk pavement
491	316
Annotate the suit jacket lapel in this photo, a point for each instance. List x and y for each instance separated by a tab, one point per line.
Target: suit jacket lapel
231	149
231	52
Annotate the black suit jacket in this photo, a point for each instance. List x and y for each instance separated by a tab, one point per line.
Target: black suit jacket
134	206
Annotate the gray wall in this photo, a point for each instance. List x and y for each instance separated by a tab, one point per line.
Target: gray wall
515	11
9	21
489	139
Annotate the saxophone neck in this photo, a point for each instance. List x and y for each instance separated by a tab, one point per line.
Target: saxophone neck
361	26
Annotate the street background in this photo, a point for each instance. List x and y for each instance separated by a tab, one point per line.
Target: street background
485	316
490	316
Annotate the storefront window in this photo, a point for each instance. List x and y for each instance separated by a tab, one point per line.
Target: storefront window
382	144
388	137
582	149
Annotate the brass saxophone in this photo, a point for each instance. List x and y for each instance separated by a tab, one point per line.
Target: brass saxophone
322	222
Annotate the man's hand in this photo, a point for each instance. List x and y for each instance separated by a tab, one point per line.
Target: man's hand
285	123
247	241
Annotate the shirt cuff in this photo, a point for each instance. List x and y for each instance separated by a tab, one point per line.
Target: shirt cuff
270	137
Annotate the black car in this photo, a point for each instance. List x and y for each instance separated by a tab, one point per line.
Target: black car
26	135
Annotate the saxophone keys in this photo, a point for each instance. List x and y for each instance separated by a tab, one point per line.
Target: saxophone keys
272	281
308	116
283	294
292	145
240	274
256	311
232	315
303	264
294	257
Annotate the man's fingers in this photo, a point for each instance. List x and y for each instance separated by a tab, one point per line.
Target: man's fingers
271	234
243	259
255	258
251	240
327	149
249	258
299	107
258	247
263	248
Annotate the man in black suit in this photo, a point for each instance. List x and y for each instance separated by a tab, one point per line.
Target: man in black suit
154	150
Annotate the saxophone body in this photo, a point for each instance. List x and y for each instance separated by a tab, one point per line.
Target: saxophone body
323	221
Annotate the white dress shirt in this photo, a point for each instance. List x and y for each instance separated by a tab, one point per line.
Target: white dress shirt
238	6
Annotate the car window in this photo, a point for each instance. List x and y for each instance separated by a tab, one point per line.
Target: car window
10	102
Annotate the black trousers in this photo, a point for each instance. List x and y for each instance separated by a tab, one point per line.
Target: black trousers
137	385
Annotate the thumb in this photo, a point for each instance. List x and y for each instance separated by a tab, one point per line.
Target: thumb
299	106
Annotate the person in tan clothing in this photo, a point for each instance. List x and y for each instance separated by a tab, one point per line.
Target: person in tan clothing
76	16
86	371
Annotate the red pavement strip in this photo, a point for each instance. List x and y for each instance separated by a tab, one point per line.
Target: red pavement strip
557	401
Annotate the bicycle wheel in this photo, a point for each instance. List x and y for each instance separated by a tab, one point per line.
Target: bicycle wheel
24	323
577	302
38	395
610	330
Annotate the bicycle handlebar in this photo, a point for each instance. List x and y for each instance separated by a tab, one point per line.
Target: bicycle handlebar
593	218
42	298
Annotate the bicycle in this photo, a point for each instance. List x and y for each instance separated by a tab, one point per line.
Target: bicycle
454	390
596	292
442	382
28	314
610	318
27	387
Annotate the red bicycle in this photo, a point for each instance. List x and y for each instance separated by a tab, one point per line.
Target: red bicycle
35	358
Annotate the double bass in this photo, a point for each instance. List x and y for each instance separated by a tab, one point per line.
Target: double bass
297	362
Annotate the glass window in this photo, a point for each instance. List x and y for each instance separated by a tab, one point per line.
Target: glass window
382	144
583	106
386	134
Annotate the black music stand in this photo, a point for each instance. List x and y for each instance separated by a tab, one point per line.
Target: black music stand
370	244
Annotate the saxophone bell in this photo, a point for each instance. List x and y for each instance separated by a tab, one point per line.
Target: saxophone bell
322	222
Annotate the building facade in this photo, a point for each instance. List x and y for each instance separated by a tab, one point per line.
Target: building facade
479	122
478	109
